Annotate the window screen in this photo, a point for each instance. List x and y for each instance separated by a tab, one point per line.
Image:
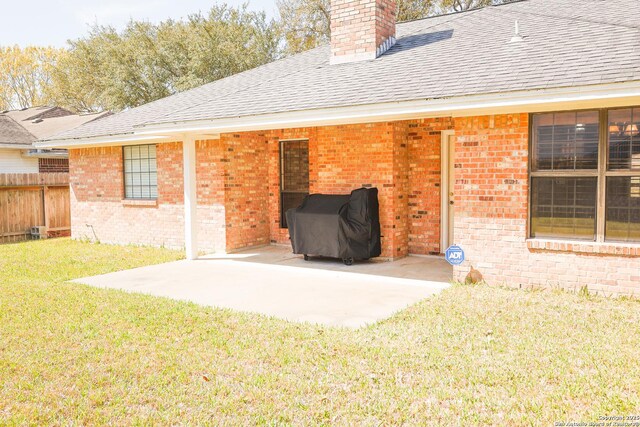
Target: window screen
624	139
563	207
140	172
623	208
565	141
294	176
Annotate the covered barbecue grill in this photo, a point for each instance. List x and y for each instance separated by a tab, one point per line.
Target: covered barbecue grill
337	226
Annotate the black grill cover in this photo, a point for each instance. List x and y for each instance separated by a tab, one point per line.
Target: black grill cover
337	226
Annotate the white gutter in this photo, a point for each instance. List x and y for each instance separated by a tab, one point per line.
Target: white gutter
104	141
594	96
46	154
16	146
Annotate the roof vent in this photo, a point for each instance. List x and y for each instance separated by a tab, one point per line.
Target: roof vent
38	120
516	36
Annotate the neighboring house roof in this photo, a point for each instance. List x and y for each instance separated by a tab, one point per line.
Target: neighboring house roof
14	135
567	43
20	128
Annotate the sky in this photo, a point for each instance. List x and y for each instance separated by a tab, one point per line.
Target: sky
53	22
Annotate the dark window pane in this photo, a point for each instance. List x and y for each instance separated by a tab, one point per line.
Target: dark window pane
294	160
565	141
623	209
542	141
624	139
563	207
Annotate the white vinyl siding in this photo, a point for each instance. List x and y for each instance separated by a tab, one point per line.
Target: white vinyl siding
12	161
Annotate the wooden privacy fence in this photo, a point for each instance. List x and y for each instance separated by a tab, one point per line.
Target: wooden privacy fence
34	199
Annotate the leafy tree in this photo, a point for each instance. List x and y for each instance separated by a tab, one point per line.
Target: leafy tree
305	24
116	70
409	10
462	5
25	75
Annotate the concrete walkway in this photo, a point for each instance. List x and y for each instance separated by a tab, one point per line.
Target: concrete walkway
329	295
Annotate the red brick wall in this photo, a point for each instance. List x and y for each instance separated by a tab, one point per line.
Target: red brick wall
353	156
424	139
491	166
246	202
238	186
344	158
210	192
400	187
491	218
95	174
53	165
99	213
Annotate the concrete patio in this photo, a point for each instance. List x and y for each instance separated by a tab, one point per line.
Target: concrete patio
274	282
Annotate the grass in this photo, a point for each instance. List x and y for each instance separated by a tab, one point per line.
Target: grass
472	355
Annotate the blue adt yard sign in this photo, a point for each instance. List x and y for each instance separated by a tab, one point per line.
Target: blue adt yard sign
454	255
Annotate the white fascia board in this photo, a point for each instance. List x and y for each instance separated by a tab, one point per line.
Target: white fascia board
104	141
600	96
16	146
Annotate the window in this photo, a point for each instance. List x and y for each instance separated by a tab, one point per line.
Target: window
585	175
566	141
564	207
294	175
624	141
623	208
140	172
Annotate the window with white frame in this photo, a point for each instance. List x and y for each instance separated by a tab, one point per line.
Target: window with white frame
140	172
585	175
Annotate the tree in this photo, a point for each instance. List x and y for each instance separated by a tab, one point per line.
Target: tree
305	24
144	62
25	75
408	10
462	5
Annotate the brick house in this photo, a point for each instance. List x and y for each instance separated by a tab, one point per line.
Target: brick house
510	130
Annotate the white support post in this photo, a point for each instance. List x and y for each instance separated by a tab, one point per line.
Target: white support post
190	198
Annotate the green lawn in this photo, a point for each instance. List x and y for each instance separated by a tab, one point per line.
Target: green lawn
74	355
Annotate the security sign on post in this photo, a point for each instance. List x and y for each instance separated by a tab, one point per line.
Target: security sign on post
454	255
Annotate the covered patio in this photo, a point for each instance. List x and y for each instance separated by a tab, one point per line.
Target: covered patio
272	281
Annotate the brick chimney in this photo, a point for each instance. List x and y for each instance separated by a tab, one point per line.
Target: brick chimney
361	29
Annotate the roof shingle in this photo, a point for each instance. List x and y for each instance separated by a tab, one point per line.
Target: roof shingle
566	43
11	133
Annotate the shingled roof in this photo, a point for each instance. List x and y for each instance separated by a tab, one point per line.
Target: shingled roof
20	128
14	135
566	43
